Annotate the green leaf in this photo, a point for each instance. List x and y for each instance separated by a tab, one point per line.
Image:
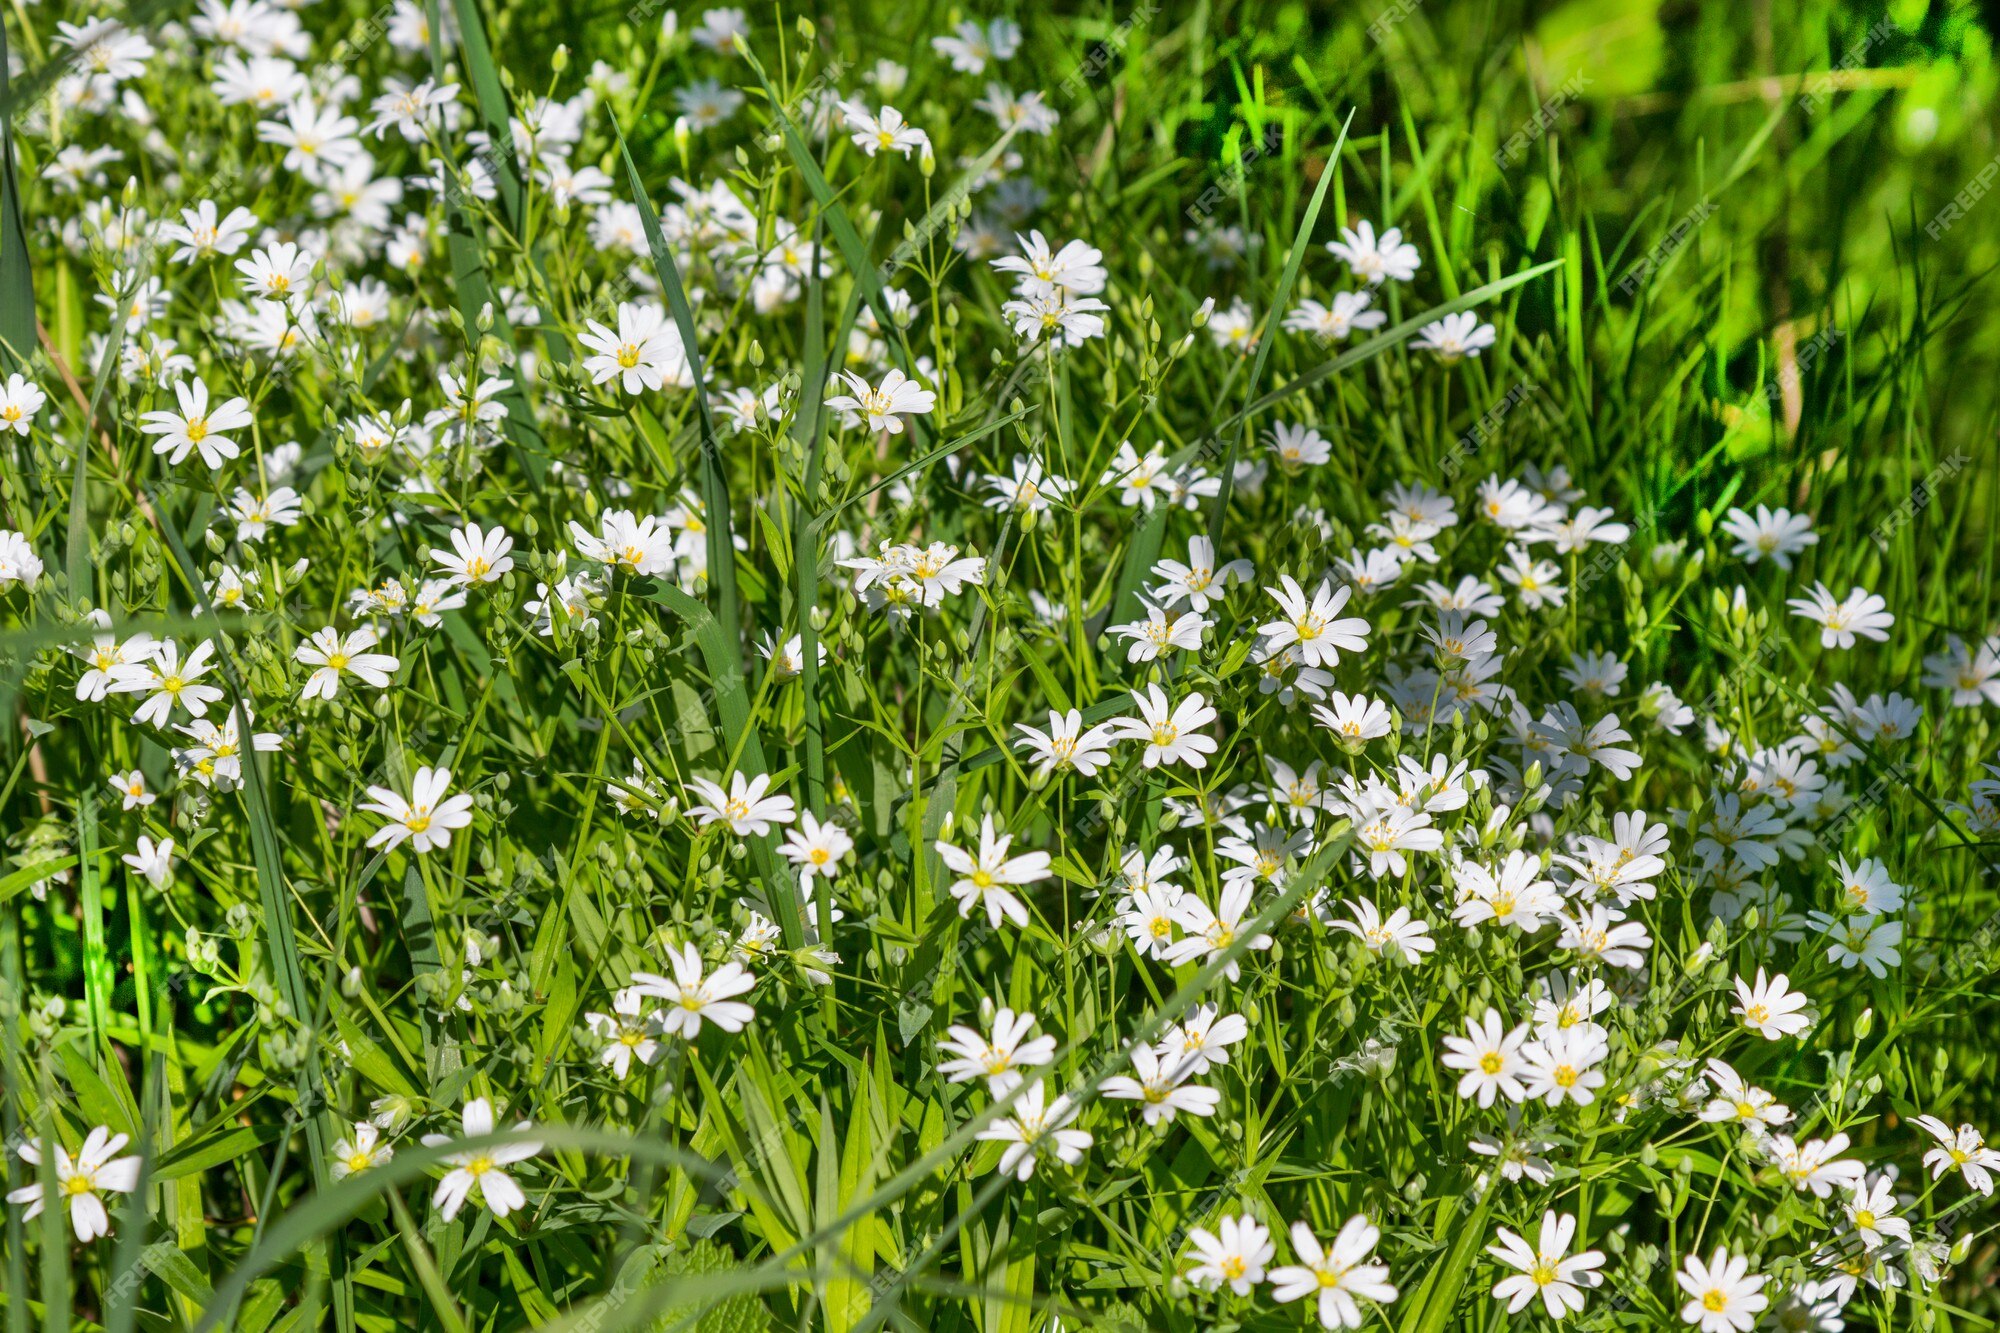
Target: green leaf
714	479
17	283
30	875
369	1059
216	1149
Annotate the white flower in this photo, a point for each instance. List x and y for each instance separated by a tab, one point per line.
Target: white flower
625	543
970	46
1203	1038
693	999
1311	624
19	401
1861	613
1547	1268
317	141
426	818
1159	1085
1373	260
1963	1150
1861	941
80	1181
166	680
719	29
1067	744
986	878
1236	1256
1970	671
885	407
155	863
1388	835
1777	534
628	1032
744	808
1170	732
1723	1295
1407	936
194	428
1000	1058
1042	310
1161	631
278	273
131	788
1514	895
1739	1102
1031	489
1574	534
1574	747
255	516
1770	1008
408	110
332	654
1534	581
1337	1274
816	848
363	1150
477	555
1332	323
1199	582
1491	1057
1600	934
1033	1129
19	564
1212	932
1455	337
481	1168
1561	1065
885	130
1353	719
1077	268
645	353
1139	479
1871	1212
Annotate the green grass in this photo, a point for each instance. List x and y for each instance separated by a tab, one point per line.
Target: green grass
1722	271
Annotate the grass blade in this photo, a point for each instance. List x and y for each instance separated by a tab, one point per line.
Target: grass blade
714	480
17	283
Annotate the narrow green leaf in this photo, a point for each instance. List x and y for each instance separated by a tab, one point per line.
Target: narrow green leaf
17	284
714	478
